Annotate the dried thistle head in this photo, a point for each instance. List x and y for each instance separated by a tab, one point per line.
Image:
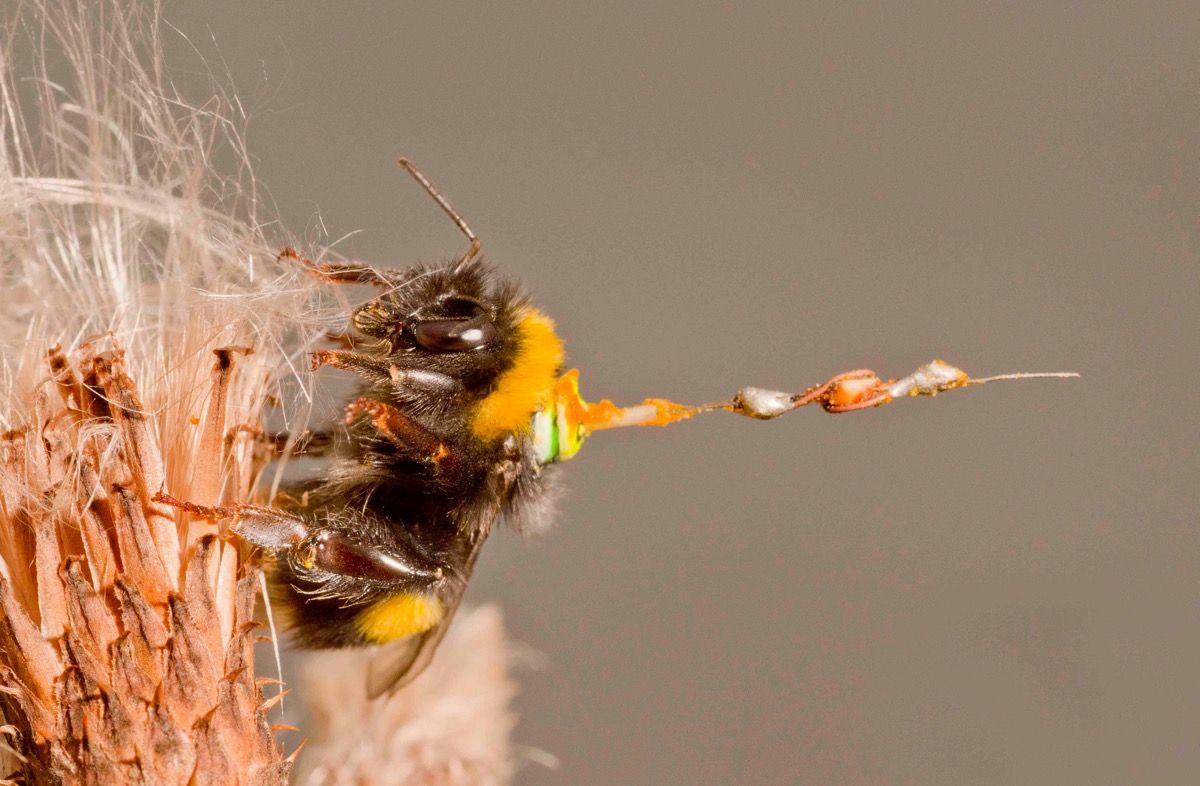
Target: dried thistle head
128	645
143	332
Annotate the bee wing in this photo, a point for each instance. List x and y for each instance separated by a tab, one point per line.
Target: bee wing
391	665
397	663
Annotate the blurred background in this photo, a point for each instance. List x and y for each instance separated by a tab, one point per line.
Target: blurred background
999	586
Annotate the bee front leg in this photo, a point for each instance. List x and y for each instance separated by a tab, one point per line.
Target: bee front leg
348	272
378	369
373	368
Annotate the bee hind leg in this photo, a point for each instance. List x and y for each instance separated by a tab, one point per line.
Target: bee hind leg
318	553
340	560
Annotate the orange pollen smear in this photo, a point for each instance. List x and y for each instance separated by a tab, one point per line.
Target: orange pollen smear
566	419
605	414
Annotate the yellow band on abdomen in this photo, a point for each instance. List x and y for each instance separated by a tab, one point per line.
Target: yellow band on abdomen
397	616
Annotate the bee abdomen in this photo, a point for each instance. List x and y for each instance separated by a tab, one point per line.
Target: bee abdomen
398	616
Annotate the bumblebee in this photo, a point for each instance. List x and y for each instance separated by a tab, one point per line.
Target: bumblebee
463	411
454	426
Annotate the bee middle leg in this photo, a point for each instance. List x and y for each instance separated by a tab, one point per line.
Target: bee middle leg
400	429
315	444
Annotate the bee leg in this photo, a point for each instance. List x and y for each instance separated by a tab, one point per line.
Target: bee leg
367	366
307	443
348	272
311	549
427	381
326	561
343	340
378	370
399	428
329	550
269	528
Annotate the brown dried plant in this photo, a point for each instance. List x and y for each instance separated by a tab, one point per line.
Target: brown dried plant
128	642
142	334
145	327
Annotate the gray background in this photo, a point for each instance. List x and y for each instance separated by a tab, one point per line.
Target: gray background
999	586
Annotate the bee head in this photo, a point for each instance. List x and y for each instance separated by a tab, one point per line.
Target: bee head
460	323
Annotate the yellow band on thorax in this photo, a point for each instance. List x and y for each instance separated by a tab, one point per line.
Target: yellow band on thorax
527	385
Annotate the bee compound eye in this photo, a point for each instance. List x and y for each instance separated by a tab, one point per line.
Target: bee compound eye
455	335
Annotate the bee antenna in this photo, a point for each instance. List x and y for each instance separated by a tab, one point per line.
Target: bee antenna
473	249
